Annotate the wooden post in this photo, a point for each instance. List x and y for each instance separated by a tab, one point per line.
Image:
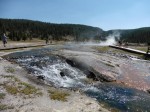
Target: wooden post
148	49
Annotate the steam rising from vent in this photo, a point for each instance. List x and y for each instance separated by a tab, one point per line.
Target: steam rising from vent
111	39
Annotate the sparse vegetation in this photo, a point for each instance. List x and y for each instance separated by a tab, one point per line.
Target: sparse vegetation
28	89
5	107
9	69
16	86
58	95
2	95
140	48
11	89
11	77
102	48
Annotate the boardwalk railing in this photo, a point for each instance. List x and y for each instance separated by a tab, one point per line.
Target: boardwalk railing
146	54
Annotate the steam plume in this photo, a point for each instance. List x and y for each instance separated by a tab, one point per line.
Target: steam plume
111	39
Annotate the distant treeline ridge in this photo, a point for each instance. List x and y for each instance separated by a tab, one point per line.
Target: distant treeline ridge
20	29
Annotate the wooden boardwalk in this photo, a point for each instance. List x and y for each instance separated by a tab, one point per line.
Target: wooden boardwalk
131	50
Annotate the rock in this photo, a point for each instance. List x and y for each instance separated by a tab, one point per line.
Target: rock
70	62
41	77
95	73
148	90
62	74
66	72
91	75
106	76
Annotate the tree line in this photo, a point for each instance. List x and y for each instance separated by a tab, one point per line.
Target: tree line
20	29
141	35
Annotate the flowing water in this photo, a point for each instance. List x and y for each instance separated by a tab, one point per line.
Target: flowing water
60	74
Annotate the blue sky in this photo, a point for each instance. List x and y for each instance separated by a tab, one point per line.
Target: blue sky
106	14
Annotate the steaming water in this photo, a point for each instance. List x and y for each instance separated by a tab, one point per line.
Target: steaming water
109	41
51	67
41	62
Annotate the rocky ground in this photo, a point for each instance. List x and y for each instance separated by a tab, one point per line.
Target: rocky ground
111	65
23	92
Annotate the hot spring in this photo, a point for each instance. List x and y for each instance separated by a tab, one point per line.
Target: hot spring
59	73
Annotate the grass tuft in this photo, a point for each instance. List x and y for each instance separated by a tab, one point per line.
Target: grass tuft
28	89
9	69
58	95
11	89
11	77
20	87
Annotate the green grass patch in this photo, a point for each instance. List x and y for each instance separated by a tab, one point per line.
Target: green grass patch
22	88
15	86
11	89
28	89
58	95
9	69
2	95
102	48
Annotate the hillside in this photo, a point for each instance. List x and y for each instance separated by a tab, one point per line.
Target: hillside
20	29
